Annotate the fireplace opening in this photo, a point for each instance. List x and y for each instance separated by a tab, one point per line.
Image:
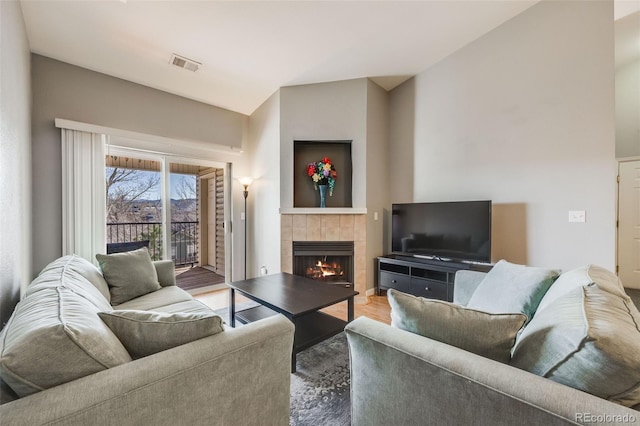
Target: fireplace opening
327	261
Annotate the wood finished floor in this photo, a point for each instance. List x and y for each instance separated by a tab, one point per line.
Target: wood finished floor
376	308
197	277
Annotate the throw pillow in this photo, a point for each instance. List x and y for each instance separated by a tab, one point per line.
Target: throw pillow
588	339
509	288
580	277
145	333
485	334
129	275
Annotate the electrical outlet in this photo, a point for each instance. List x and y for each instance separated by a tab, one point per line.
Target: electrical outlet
577	216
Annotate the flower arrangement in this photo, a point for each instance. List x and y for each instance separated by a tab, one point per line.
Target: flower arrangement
323	173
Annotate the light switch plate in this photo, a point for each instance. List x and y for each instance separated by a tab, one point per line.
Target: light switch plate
577	216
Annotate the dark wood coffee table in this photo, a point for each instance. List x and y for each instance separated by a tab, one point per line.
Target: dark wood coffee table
297	298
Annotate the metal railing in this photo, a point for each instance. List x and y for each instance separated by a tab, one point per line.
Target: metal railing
184	239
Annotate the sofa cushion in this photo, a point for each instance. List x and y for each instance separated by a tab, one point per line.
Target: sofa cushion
157	299
486	334
129	275
188	306
54	336
76	274
145	333
511	288
588	339
580	277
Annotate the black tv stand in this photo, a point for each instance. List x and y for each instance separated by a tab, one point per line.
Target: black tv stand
420	259
430	278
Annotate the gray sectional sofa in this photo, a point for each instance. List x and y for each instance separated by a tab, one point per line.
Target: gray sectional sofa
583	335
69	368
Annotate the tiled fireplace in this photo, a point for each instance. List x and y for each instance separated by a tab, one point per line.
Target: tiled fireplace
329	228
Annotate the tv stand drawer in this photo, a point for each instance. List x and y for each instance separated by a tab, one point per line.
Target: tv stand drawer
432	279
432	274
397	281
428	288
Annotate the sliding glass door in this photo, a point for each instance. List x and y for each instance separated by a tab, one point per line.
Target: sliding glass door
174	206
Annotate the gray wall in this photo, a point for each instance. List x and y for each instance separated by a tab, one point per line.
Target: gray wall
628	110
523	116
377	175
402	141
264	192
65	91
15	161
325	111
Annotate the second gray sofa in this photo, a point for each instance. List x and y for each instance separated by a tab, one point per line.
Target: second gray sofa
400	377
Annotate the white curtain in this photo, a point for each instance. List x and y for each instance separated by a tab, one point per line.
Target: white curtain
83	193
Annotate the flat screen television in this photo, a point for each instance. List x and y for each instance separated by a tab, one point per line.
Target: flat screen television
457	231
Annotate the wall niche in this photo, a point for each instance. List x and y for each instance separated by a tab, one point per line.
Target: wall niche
305	152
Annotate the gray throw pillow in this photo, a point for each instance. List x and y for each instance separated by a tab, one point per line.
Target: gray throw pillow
129	275
510	288
145	333
485	334
580	277
589	339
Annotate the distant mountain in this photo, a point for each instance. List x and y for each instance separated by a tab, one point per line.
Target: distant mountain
182	210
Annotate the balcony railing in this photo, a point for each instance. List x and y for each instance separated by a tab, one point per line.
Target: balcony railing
184	239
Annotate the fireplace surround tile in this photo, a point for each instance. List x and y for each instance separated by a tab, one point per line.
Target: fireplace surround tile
300	227
286	262
327	227
360	227
346	227
314	227
286	227
360	252
331	227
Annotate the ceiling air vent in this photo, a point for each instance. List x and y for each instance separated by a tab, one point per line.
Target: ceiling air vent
182	62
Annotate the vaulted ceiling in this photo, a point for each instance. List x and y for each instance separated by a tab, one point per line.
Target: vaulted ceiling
249	49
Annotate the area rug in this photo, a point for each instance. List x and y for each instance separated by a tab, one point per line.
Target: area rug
320	387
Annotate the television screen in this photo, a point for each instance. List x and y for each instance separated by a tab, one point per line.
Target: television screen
443	231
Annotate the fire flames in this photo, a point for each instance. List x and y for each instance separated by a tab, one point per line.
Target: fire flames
323	270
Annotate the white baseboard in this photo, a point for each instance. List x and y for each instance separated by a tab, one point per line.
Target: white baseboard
370	292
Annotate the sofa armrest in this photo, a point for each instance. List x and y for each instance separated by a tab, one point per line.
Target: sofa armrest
239	376
465	283
399	377
166	272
